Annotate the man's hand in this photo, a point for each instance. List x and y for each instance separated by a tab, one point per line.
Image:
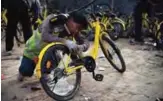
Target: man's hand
74	48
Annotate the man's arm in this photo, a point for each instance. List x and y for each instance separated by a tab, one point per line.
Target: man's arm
82	42
47	29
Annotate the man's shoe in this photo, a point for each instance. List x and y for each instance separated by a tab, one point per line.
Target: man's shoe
134	42
159	99
7	53
20	77
140	40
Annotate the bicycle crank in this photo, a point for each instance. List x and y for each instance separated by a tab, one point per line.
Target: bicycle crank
90	65
97	77
88	62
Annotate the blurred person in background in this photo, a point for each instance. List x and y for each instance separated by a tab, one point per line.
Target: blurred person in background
18	11
149	7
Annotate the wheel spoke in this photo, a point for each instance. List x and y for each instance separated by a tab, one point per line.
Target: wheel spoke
53	88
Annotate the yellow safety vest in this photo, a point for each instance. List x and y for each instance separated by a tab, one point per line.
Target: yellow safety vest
34	45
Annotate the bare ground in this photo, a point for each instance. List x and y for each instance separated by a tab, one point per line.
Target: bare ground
142	81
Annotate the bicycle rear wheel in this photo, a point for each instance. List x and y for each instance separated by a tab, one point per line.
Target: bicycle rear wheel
55	82
112	53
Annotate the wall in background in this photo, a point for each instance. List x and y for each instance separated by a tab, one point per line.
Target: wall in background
124	6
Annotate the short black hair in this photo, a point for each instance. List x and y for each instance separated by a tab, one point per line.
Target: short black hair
80	19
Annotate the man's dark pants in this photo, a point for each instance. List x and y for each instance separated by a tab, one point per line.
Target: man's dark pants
140	8
17	14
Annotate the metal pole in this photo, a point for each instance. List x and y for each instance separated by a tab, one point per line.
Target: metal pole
112	4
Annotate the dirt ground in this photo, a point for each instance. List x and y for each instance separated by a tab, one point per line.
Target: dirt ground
142	81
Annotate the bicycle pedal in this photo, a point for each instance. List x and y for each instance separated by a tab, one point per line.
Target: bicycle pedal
98	77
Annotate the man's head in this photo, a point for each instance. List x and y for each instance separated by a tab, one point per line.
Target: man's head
76	22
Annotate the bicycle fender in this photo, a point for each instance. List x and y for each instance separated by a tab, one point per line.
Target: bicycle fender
38	65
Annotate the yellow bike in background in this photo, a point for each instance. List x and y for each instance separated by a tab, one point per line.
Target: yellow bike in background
154	27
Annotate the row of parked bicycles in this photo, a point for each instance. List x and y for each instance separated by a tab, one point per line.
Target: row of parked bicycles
122	25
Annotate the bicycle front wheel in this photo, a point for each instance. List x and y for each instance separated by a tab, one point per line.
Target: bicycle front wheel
57	84
112	53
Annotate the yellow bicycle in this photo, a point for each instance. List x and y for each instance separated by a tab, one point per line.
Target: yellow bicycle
59	70
115	25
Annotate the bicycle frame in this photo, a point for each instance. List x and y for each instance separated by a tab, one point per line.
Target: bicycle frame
93	51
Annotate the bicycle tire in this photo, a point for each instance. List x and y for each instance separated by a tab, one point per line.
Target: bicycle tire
18	39
3	29
43	80
130	31
19	36
116	32
117	51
